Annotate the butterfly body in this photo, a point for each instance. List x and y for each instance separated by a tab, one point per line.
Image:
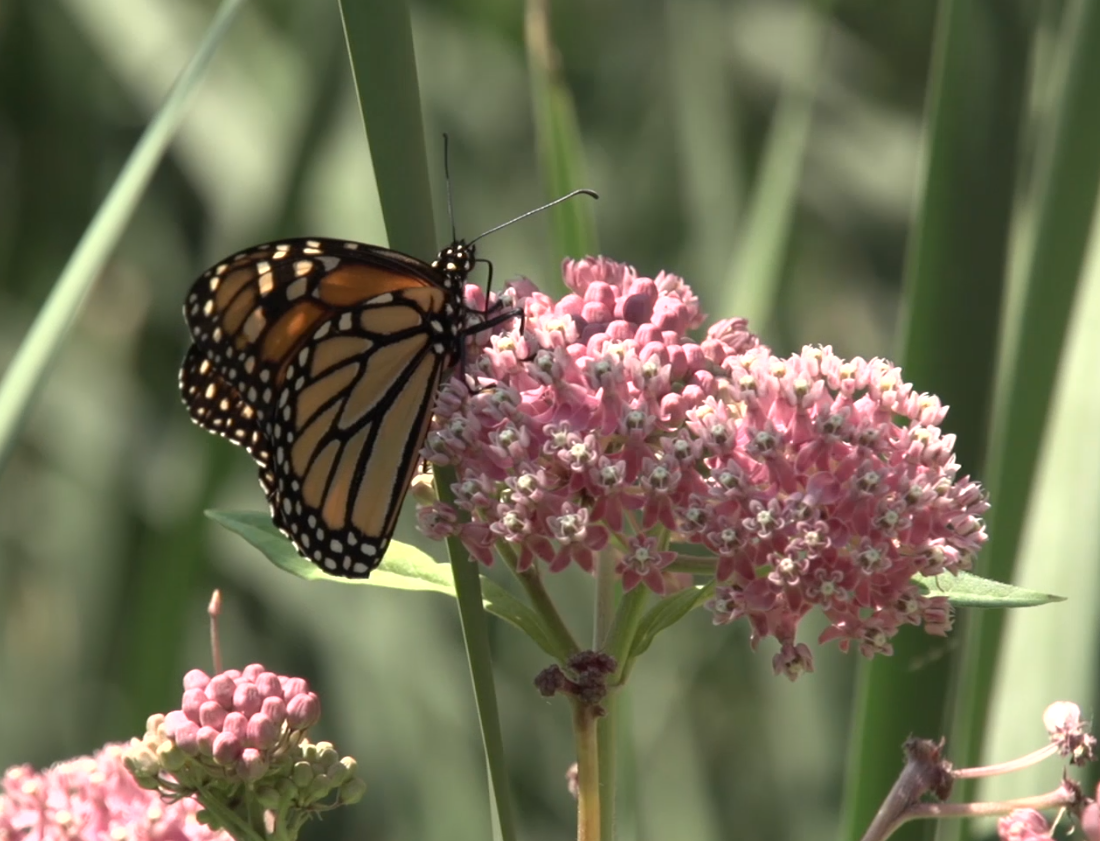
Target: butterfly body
323	358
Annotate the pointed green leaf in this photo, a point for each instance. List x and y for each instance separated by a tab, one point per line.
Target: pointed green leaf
668	611
404	568
967	590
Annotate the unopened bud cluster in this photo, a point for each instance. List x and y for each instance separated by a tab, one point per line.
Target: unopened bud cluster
239	739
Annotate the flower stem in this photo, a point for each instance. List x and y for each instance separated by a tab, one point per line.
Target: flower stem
620	637
531	582
605	599
588	771
606	733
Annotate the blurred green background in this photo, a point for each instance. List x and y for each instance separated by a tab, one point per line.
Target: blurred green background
106	561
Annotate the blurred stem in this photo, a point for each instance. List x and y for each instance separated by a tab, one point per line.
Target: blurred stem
588	771
624	628
605	598
543	605
607	734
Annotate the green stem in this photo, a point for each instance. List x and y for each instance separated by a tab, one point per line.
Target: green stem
229	820
607	734
588	772
625	626
541	602
606	582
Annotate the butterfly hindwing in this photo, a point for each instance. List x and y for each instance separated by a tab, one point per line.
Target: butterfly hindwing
217	407
348	429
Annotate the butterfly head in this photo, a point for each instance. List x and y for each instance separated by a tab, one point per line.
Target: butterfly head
455	262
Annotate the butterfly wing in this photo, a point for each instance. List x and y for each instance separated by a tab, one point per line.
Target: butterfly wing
217	407
323	358
249	315
348	427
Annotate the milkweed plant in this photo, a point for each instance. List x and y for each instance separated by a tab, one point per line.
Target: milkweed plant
683	465
710	473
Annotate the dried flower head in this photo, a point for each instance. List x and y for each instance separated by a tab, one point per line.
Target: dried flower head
807	481
1062	720
94	797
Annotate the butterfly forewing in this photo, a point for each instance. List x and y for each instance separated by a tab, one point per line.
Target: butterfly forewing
252	313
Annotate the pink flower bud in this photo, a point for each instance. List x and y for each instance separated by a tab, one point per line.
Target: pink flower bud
205	740
237	724
227	749
262	732
269	686
192	700
174	721
275	709
303	710
247	698
571	305
620	331
645	288
600	292
596	313
221	689
636	309
293	686
186	738
251	765
252	671
212	714
196	679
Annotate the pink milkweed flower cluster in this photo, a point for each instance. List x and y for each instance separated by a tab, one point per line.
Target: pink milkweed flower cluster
808	481
238	743
94	798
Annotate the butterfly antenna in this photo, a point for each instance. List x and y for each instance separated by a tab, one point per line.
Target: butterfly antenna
447	181
546	206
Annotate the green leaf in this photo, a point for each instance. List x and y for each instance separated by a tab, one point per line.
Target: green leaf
504	605
1054	223
383	63
404	567
668	611
955	264
34	359
967	590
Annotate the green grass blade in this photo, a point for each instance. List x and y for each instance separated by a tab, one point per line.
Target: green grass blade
561	153
475	631
380	45
1044	288
954	274
383	63
756	269
32	362
1053	654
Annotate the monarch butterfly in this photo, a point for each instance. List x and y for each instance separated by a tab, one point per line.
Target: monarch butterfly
323	358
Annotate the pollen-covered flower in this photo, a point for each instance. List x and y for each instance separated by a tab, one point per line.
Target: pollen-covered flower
239	738
94	797
808	481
